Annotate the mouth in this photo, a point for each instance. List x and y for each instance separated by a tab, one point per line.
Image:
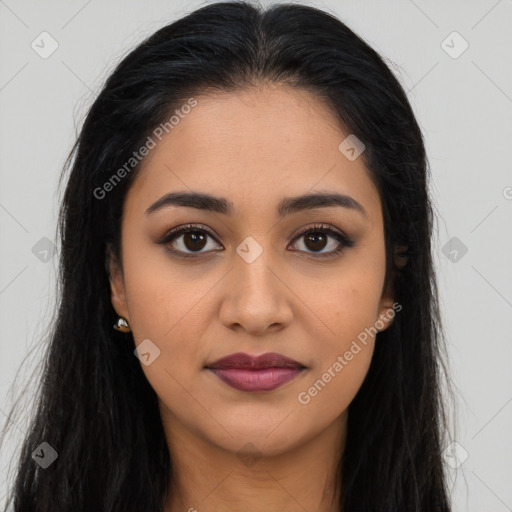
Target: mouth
256	373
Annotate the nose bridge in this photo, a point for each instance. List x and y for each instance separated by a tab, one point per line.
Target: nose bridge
256	297
252	271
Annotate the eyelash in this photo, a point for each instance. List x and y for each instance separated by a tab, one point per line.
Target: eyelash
344	241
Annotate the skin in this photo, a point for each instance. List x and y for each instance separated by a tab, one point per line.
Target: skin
253	147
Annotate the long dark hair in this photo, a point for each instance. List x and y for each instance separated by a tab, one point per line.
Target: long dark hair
96	408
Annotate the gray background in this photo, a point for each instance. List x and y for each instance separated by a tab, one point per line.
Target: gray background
463	101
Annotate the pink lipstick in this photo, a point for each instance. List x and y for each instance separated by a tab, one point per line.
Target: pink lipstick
250	373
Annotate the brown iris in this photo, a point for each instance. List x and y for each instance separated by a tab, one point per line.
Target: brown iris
318	241
194	240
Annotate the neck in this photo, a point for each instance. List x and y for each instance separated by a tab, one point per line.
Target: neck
209	478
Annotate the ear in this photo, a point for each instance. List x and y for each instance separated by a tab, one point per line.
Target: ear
386	310
117	289
400	256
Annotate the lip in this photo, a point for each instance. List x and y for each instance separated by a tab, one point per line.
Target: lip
243	361
256	373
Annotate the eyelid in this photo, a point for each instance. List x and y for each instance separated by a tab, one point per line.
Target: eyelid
321	227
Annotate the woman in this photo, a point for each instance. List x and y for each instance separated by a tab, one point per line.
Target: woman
248	313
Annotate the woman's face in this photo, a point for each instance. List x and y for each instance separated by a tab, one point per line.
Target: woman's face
243	279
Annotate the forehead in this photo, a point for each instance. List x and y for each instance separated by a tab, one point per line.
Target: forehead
254	146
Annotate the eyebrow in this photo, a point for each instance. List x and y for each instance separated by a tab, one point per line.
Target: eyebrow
288	205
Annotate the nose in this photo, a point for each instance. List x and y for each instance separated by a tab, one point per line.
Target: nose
257	298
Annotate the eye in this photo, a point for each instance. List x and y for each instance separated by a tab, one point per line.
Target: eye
194	239
316	239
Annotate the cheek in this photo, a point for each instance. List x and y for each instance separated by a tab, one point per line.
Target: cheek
167	309
346	333
166	305
342	361
348	304
159	292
